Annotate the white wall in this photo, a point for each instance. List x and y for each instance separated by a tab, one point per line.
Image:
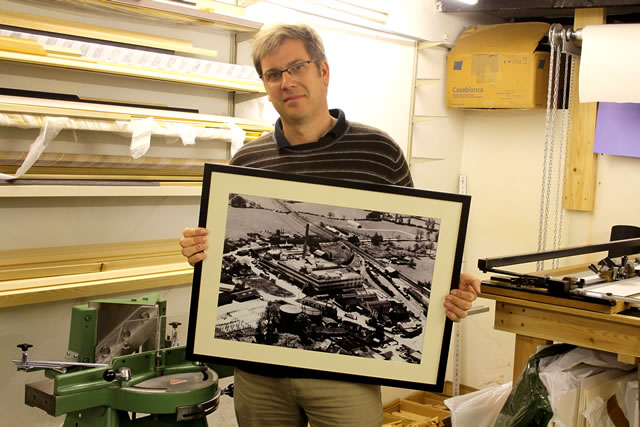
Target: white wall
371	73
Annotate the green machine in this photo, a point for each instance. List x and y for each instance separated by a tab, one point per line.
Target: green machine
121	369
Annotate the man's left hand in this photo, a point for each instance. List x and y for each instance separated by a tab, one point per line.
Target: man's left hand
459	301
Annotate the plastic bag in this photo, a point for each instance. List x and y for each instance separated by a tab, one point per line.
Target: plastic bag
563	374
528	404
627	397
596	414
480	408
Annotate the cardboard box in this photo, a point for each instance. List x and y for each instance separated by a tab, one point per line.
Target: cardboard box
499	66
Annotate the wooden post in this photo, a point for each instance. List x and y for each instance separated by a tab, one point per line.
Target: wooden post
579	191
525	347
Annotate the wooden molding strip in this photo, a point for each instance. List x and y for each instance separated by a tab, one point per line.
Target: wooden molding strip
70	160
182	190
67	160
47	270
105	175
95	287
68	279
61	26
131	174
48	274
62	51
87	253
57	111
13	44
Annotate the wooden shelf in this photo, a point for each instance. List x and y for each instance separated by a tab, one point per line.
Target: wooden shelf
227	22
18	191
429	44
425	82
229	84
19	104
152	10
99	33
418	119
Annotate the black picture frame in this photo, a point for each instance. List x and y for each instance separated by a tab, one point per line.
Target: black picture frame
307	276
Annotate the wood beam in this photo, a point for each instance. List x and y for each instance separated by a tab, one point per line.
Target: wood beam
524	349
579	191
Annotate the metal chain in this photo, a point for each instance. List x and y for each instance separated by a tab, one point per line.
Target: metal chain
558	212
566	147
554	110
542	219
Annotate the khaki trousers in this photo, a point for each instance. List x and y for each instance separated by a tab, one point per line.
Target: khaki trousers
276	401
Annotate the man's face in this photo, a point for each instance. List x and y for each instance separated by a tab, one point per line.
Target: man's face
301	97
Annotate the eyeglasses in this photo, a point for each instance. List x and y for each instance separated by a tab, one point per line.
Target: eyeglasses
274	77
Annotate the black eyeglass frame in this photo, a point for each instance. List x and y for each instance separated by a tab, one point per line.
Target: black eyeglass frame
279	73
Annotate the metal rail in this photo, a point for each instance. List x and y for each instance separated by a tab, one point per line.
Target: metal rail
486	264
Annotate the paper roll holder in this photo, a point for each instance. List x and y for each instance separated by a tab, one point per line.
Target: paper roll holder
564	37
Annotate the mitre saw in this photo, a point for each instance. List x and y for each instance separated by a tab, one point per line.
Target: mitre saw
121	369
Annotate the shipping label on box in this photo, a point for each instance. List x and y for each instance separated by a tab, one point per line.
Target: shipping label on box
498	66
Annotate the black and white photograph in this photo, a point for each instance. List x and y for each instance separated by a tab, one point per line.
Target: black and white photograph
326	278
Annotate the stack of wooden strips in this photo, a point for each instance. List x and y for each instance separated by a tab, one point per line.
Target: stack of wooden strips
420	409
50	107
61	47
25	112
85	55
29	276
101	166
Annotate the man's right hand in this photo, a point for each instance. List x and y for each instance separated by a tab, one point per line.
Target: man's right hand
194	243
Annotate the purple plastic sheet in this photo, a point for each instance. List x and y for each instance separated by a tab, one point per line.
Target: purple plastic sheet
618	129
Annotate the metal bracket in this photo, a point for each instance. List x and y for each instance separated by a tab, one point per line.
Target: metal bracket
477	310
563	37
198	411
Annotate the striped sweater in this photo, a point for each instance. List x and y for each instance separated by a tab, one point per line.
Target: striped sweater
349	151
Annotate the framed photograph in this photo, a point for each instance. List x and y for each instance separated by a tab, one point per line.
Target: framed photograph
307	276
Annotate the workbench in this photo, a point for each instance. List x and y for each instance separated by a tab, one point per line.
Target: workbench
539	319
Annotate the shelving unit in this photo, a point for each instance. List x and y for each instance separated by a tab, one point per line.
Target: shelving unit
247	86
102	117
417	83
223	21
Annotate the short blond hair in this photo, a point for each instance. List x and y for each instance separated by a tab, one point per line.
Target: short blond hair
270	38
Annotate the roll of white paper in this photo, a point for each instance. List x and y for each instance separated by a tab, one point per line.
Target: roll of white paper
610	63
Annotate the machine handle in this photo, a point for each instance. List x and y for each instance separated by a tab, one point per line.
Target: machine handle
24	346
124	374
109	375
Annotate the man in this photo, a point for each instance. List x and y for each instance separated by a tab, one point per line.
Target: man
310	139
